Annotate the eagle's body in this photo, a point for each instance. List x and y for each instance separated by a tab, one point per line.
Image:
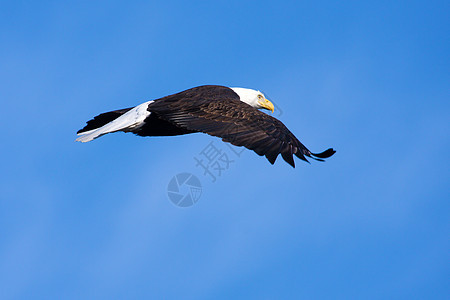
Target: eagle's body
229	113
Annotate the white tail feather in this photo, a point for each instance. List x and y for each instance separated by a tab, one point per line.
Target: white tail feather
132	119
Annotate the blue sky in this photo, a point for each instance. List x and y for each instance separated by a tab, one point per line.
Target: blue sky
84	221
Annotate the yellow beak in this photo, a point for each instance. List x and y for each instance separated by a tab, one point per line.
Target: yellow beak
267	105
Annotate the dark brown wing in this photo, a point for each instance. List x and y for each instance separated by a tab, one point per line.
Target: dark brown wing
218	111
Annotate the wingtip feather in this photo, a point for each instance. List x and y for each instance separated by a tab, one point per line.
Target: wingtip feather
325	154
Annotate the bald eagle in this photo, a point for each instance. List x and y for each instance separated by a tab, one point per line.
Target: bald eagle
229	113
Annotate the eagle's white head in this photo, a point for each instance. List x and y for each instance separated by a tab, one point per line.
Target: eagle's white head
253	98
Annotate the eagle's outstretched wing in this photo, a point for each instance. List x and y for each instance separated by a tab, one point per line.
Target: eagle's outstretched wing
223	115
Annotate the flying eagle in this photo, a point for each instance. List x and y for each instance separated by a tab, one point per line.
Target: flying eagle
229	113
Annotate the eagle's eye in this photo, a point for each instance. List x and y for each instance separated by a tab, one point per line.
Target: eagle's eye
260	97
